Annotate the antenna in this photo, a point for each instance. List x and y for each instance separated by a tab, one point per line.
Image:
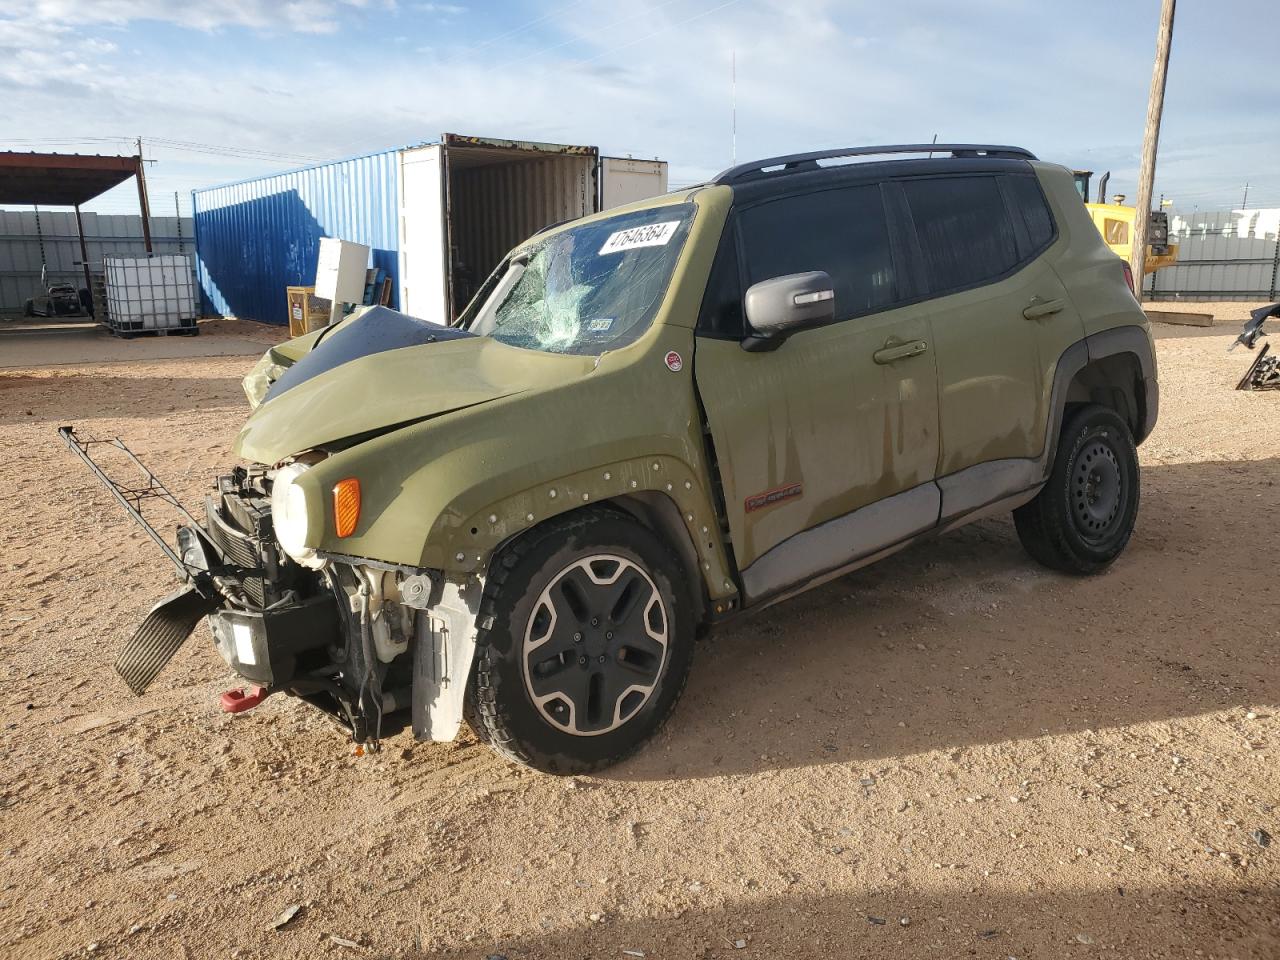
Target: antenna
733	85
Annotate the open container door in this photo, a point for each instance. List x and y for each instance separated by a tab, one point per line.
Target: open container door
498	193
424	273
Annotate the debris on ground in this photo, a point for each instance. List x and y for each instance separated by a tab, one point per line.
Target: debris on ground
286	915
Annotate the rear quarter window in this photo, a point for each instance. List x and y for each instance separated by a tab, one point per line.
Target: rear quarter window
1031	205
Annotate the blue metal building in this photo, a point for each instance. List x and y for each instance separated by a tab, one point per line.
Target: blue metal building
256	237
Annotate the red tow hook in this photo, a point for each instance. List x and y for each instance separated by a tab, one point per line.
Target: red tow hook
238	701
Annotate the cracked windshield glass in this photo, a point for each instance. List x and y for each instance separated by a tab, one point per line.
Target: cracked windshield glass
586	290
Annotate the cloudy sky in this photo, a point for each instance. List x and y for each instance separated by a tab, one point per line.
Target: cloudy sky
225	89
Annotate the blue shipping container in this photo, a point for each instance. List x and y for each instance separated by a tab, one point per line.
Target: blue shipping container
254	238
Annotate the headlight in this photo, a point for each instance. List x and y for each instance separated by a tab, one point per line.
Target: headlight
289	512
259	380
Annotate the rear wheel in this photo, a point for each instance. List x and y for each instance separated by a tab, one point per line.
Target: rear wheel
585	644
1083	518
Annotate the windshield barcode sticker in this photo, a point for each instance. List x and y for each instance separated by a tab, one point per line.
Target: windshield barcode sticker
650	235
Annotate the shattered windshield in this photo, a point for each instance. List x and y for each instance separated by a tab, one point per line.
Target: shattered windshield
587	289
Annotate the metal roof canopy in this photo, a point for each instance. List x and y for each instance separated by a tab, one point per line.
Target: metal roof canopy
60	180
68	180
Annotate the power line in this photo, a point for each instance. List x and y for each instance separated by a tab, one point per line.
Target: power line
190	146
229	150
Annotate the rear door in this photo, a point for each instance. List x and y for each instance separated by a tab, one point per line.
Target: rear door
837	419
1000	316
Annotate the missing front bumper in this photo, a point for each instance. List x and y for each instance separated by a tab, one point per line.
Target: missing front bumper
264	646
164	629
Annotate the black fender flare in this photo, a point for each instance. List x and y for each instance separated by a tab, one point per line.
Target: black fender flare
1132	339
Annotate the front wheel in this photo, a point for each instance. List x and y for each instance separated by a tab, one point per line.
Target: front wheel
585	641
1083	517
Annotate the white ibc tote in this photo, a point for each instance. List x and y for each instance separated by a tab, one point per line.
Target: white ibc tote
150	293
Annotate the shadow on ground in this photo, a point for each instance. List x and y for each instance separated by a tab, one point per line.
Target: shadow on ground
1237	920
964	640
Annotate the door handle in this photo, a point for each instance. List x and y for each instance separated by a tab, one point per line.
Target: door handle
900	351
1038	308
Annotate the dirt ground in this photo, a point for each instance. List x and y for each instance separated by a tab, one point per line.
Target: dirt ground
951	754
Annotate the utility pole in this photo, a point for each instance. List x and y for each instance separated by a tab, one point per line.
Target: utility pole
144	205
177	212
1150	140
1244	204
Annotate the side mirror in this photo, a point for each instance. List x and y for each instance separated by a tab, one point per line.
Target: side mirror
782	306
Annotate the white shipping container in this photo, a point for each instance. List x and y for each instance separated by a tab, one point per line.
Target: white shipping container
623	180
150	293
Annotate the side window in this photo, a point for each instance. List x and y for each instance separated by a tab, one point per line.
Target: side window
1030	201
1115	232
964	230
841	231
721	313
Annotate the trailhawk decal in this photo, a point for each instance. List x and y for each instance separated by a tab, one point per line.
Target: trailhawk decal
650	235
759	501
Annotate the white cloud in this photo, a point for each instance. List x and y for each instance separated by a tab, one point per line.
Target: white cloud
441	9
655	81
301	16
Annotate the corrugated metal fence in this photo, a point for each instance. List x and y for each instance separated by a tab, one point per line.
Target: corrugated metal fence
257	237
1224	255
105	235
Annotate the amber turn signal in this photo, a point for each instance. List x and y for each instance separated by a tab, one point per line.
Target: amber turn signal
346	506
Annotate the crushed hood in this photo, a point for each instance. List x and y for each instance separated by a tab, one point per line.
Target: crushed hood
385	369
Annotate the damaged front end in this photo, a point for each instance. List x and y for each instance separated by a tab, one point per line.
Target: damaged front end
360	640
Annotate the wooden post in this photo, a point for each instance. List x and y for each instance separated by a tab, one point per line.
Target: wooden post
144	205
1150	140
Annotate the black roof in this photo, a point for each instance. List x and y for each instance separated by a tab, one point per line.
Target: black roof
803	162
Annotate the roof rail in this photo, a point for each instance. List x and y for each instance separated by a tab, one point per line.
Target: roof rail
797	162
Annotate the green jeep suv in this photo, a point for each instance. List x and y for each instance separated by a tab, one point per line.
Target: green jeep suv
653	418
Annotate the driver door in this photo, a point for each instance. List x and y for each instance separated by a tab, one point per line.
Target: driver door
828	445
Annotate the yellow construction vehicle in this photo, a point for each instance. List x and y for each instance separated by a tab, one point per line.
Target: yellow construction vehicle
1115	222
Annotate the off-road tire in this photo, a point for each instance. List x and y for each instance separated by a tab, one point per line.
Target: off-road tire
514	726
1072	525
471	714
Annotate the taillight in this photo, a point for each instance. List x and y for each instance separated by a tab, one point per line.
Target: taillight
1128	277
